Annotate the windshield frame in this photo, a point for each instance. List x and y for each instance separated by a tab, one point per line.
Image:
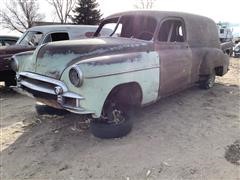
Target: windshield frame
26	33
106	21
120	20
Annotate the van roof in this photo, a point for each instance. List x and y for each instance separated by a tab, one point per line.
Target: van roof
48	28
157	14
200	29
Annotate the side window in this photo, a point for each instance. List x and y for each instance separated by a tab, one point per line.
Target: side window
108	26
118	30
56	37
172	31
164	31
59	36
48	39
9	42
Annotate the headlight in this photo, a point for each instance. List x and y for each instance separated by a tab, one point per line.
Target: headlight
237	49
14	64
76	76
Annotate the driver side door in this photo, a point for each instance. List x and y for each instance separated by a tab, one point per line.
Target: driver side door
175	56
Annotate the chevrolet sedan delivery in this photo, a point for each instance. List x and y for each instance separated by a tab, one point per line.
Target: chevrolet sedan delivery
148	55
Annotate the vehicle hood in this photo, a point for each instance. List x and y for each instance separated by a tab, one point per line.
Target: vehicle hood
53	58
13	49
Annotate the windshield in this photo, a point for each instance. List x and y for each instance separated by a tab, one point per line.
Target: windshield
31	38
139	27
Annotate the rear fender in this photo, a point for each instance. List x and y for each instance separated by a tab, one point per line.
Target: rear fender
213	58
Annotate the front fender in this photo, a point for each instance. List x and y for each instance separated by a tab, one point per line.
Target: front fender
25	61
102	74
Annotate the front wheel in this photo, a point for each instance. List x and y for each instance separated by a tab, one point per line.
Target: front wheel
208	81
10	82
114	123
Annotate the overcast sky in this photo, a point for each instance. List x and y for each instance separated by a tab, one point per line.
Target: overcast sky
218	10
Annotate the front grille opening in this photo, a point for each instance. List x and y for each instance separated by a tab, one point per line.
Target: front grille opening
38	82
38	94
71	102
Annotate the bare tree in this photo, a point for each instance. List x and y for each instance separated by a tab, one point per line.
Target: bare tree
20	14
144	4
63	8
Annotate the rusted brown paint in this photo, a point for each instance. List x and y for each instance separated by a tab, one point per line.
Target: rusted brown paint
49	102
182	63
196	25
175	67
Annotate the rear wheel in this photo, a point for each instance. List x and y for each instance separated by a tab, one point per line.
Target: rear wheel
207	81
114	123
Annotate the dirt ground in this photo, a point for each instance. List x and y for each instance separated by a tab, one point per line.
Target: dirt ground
185	136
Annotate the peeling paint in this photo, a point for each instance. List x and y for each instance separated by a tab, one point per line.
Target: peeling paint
144	70
57	58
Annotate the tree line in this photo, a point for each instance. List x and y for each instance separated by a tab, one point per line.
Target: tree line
20	15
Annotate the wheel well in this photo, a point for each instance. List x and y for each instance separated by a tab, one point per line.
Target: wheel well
227	51
127	94
219	70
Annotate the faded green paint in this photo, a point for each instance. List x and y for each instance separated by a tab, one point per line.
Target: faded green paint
26	61
143	70
128	64
53	65
53	58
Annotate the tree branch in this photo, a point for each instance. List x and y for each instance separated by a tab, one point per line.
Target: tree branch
20	14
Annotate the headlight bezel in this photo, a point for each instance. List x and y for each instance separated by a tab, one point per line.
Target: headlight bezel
75	70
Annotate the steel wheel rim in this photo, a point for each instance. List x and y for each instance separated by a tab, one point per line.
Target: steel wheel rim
211	81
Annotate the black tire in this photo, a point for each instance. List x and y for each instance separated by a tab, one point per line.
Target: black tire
106	129
10	82
236	56
207	81
229	52
47	110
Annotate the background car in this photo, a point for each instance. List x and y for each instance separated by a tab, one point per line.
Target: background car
236	50
8	40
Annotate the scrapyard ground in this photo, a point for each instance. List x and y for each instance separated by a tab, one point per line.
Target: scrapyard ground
192	135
